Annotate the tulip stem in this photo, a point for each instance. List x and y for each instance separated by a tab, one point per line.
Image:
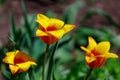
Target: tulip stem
44	61
51	62
89	73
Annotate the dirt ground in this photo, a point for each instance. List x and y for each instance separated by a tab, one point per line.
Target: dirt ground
41	6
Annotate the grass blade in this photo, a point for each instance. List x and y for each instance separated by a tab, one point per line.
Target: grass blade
12	27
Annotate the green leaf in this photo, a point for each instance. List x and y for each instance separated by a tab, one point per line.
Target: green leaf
12	27
51	62
70	12
19	76
115	40
6	73
54	77
27	25
31	74
50	14
38	48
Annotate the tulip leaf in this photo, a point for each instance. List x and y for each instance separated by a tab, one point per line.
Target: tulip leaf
38	48
12	27
51	62
50	14
6	73
115	40
31	74
27	25
70	12
54	77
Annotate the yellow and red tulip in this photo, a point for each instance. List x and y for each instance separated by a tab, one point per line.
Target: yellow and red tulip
97	54
18	61
51	29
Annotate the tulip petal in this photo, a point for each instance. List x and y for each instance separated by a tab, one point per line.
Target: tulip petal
112	55
41	16
26	65
22	56
40	33
13	68
57	33
92	43
9	58
67	28
42	20
103	47
56	22
85	49
90	59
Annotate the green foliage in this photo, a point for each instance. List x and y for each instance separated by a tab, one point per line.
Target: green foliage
106	33
65	61
70	12
2	1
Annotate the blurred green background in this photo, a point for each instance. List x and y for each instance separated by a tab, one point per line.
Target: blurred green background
91	17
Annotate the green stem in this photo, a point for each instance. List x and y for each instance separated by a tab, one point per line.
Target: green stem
44	61
31	74
51	61
14	77
89	73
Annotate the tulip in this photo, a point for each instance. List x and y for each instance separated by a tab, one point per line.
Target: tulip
50	30
97	54
18	61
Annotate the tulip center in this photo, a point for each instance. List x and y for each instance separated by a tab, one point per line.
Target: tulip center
94	52
18	60
51	28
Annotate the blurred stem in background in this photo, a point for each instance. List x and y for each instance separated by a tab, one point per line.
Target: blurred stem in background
44	61
89	73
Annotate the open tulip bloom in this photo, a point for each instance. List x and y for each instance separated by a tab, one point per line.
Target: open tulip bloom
18	61
97	54
51	29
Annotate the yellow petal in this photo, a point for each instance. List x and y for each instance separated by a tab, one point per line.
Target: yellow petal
41	16
57	33
112	55
103	47
13	68
26	65
56	22
43	23
68	27
42	20
85	49
90	59
41	33
92	43
9	58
